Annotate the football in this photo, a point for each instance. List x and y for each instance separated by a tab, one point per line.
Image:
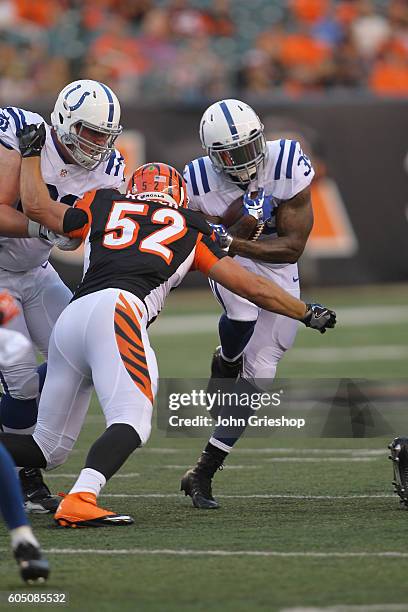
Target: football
234	213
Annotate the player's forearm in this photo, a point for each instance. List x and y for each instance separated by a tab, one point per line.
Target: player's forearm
37	204
277	250
13	223
268	295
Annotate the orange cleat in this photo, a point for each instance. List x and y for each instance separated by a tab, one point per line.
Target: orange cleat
81	510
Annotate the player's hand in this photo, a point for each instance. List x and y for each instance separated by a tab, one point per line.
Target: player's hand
221	235
65	243
31	140
8	308
259	207
319	317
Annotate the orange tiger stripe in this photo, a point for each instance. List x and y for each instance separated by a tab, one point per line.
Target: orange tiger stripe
129	309
132	356
124	325
143	382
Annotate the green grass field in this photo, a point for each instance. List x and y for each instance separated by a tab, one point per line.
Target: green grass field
304	523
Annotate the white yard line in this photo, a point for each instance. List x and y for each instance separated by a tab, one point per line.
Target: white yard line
284	460
225	553
352	608
251	496
230	467
271	451
318	460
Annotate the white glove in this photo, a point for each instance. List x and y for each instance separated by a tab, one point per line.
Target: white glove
64	243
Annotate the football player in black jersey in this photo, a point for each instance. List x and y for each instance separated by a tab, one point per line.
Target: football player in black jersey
139	246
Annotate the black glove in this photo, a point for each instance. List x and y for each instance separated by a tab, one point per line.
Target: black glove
319	317
31	140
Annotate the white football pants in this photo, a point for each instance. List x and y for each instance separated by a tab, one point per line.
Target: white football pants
42	296
99	340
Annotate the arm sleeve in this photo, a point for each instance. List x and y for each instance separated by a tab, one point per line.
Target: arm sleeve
207	254
74	219
78	219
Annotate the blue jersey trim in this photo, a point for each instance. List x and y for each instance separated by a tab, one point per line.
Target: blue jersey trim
193	179
203	172
229	119
15	118
23	119
279	162
118	165
289	165
110	163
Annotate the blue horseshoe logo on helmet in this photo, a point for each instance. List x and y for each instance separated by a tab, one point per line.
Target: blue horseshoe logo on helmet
81	99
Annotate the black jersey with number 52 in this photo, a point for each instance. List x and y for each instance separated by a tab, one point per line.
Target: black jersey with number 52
141	246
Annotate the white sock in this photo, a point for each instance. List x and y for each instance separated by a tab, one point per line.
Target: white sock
220	445
89	481
22	534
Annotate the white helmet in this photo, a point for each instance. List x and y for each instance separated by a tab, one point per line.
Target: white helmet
232	134
92	105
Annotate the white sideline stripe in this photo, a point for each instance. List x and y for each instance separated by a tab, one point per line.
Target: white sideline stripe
353	608
271	450
223	553
317	460
172	325
254	496
63	475
284	460
230	467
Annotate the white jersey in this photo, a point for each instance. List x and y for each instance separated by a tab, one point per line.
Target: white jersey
287	172
66	183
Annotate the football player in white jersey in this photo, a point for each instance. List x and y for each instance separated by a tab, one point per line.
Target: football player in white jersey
25	546
78	156
240	162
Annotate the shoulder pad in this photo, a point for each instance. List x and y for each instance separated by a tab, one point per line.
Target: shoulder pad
288	156
197	221
198	175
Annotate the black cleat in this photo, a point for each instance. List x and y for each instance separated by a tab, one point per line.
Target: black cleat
196	482
37	496
34	569
399	457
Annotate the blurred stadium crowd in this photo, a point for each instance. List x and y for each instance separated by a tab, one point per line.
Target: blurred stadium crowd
169	50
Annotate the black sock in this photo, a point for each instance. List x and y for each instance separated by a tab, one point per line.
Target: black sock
110	451
215	452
